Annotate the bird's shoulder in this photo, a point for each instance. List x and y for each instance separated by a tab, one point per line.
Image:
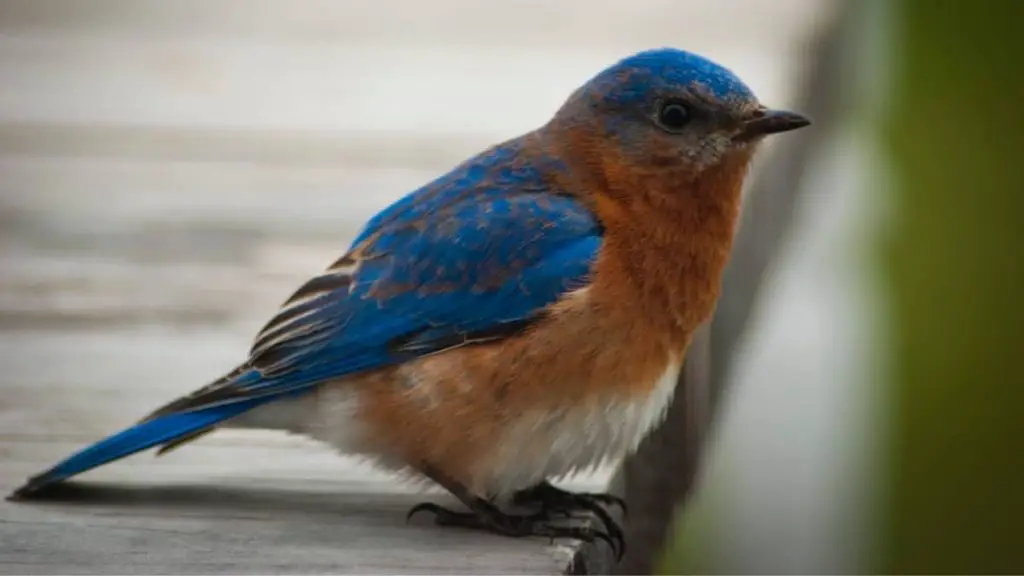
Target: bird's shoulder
515	180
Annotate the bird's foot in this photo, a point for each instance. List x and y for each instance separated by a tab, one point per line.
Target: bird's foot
549	496
486	516
554	500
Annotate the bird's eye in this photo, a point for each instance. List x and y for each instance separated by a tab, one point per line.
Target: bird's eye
673	116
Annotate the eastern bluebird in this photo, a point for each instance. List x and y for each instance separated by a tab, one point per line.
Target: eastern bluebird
522	317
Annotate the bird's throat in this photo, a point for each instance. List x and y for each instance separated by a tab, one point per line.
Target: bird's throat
667	245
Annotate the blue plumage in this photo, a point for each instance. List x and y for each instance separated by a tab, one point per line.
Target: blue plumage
635	78
474	255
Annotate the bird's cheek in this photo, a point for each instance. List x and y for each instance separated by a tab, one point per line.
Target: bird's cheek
663	152
711	150
663	159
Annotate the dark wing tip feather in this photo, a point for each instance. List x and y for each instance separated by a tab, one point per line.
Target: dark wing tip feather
44	485
216	391
28	489
52	490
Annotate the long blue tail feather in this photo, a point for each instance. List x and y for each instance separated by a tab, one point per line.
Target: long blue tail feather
146	434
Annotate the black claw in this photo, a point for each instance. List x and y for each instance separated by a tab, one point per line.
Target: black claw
610	500
424	507
611	526
618	551
615	540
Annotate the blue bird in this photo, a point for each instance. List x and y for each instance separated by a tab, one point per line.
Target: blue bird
520	318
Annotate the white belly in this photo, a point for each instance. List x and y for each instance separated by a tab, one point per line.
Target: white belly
552	444
538	446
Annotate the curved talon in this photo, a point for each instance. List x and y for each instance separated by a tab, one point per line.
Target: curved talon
590	534
612	535
612	528
618	551
586	534
610	500
436	509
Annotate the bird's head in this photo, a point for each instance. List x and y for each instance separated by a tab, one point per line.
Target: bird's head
666	109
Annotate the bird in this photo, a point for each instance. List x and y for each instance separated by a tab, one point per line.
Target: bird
520	318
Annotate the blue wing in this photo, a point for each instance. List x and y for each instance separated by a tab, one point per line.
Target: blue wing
476	269
475	256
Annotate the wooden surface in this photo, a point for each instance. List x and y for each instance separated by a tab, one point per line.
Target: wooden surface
248	524
170	172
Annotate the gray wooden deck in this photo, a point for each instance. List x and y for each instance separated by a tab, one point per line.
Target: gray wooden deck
213	513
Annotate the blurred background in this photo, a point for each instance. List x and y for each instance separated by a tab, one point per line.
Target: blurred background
171	171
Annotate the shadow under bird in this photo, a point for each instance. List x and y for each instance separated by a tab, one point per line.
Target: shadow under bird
520	318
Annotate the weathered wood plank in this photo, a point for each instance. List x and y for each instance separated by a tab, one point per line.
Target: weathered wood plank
293	526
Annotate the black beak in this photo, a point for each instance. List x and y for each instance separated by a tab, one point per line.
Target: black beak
771	122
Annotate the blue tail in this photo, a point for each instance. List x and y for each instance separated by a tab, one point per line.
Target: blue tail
147	434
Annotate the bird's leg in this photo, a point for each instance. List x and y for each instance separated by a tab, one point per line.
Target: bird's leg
485	515
552	499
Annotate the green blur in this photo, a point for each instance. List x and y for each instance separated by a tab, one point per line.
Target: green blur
953	494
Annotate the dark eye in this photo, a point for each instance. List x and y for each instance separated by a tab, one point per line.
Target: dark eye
673	116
